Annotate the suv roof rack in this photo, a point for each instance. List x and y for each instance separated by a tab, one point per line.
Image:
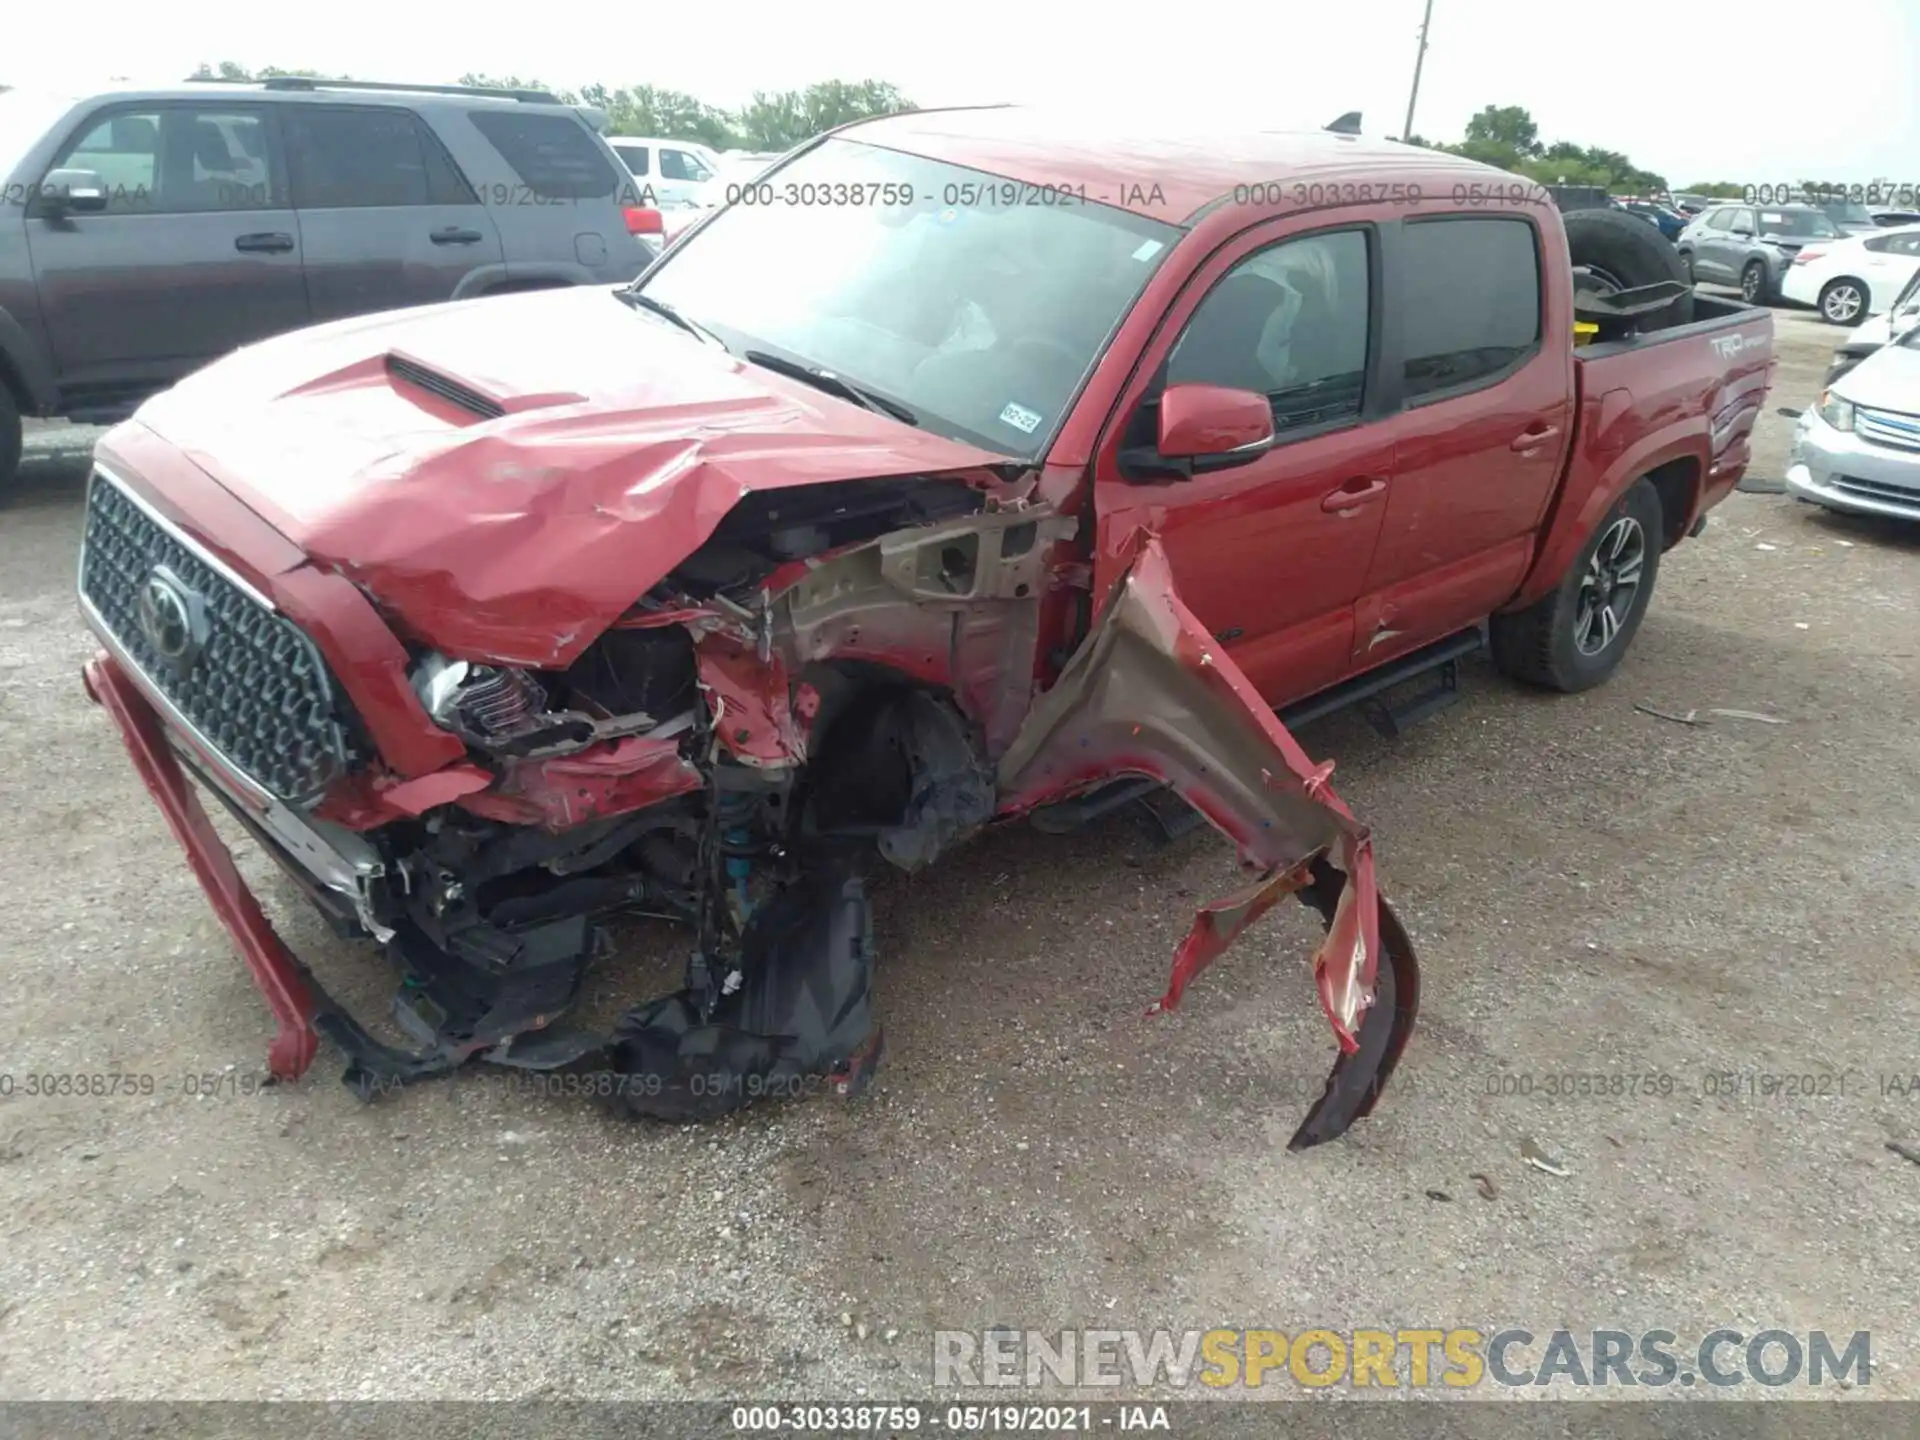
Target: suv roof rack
308	82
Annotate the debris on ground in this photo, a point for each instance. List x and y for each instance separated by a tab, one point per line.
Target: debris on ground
1439	1195
1485	1182
1748	715
1686	719
1903	1152
1540	1160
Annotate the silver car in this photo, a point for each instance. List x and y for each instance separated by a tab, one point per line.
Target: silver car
1858	450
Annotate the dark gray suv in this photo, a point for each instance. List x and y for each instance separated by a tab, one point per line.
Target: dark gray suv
144	233
1750	245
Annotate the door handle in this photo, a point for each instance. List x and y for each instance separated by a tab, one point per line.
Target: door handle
454	235
269	241
1361	490
1534	439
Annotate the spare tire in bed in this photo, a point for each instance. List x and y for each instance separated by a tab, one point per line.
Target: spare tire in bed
1623	252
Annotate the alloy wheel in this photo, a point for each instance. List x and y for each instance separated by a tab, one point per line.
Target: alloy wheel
1842	303
1610	586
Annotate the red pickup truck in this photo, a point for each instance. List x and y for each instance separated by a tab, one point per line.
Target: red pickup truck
964	463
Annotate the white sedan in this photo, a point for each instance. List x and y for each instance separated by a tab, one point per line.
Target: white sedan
1852	278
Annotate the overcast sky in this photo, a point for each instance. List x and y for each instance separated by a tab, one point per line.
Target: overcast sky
1703	91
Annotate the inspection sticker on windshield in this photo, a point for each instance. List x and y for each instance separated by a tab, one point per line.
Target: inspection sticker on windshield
1020	418
1148	250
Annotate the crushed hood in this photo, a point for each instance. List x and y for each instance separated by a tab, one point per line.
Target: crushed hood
564	454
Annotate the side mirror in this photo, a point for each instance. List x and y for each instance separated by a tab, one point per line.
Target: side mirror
75	192
1212	427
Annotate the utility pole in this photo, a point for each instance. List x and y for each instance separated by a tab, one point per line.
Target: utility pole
1419	58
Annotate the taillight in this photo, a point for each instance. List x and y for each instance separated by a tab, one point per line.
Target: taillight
643	220
1809	252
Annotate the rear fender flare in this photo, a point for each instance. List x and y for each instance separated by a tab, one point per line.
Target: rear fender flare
1567	534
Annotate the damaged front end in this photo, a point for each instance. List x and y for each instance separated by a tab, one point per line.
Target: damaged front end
841	671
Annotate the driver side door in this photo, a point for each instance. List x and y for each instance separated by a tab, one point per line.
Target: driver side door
1272	553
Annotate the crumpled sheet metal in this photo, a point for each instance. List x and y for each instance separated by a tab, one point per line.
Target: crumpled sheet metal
1151	692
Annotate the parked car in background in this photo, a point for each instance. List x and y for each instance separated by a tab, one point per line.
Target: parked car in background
1852	278
146	232
1858	449
737	168
1669	222
1895	217
1691	205
672	170
1750	245
1868	337
1849	217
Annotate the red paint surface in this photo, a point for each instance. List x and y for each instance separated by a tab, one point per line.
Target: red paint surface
519	540
752	711
613	778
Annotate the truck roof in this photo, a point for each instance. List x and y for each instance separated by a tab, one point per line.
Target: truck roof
1166	173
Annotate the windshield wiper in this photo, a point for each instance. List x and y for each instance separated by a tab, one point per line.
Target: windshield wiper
640	300
833	385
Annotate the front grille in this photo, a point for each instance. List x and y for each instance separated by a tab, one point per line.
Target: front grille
1878	490
247	679
1887	427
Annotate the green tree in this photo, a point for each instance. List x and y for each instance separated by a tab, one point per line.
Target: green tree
514	82
781	120
1505	125
1717	190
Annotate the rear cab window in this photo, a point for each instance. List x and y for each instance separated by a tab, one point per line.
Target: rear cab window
1473	313
554	156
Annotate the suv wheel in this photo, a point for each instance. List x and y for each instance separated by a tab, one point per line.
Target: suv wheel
1753	282
10	441
1843	301
1574	638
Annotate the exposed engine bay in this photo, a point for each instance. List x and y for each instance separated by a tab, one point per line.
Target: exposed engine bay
842	674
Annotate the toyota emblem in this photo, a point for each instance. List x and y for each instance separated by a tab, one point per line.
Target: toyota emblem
173	618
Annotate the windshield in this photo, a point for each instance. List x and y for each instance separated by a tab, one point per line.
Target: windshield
25	116
1800	224
969	299
1846	212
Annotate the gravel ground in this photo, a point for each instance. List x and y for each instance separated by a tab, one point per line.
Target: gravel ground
1591	888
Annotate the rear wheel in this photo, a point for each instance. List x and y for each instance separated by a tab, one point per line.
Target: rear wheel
1753	283
1573	638
10	442
1843	301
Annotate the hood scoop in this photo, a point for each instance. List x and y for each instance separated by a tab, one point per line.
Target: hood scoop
403	370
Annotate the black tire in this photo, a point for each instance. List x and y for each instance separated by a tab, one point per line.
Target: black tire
1626	252
1548	643
10	442
1754	287
1843	301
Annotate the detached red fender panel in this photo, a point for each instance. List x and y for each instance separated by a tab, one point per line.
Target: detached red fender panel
1150	692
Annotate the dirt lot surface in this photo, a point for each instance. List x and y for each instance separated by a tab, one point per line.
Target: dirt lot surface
1592	889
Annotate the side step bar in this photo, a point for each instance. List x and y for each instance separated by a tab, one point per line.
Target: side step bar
1443	655
1168	818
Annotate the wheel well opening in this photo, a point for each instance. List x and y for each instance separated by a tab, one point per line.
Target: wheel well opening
1676	483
